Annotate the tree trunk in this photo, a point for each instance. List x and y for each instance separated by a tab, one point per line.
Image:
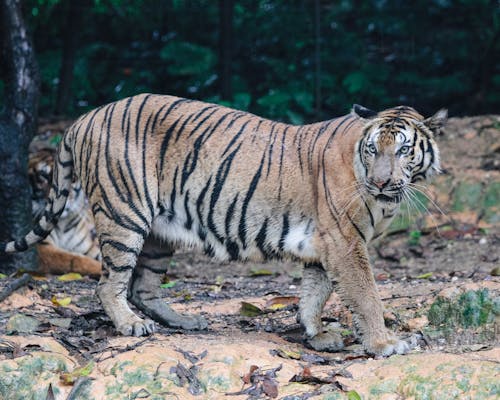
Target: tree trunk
17	126
226	10
71	30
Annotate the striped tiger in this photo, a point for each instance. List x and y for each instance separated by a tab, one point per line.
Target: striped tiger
162	171
71	246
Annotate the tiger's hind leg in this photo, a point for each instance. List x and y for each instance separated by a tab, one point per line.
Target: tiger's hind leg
119	247
145	291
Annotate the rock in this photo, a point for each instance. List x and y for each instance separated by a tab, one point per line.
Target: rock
416	324
20	323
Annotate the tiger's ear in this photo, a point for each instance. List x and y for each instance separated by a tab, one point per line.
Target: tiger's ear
437	121
363	112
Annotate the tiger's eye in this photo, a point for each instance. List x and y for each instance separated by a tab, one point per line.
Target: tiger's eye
371	148
404	150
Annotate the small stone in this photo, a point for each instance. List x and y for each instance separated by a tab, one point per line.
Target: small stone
416	324
20	323
61	322
449	293
483	241
495	271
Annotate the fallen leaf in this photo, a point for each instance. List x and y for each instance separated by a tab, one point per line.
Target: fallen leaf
287	354
260	272
72	276
2	276
249	310
277	303
353	395
305	376
168	284
270	387
65	301
248	376
68	378
425	276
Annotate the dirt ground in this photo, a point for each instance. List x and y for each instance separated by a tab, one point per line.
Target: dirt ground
438	275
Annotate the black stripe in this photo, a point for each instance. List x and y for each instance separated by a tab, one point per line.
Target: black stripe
271	147
372	222
230	215
39	231
281	162
21	244
260	240
200	199
251	190
189	218
80	242
356	227
220	179
232	249
145	184
173	193
235	137
164	143
172	105
284	231
119	246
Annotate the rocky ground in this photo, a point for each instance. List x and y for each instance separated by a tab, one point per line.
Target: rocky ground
438	277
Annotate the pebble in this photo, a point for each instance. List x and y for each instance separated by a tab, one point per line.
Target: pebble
483	241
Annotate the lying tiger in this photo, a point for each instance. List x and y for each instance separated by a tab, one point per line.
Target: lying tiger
162	171
71	245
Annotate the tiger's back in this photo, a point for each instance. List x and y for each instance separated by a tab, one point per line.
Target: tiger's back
211	176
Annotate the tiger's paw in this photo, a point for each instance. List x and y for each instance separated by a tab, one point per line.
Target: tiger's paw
389	346
138	327
326	341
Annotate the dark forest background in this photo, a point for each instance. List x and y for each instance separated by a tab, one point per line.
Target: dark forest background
295	61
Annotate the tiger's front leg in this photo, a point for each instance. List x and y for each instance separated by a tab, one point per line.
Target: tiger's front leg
348	264
145	291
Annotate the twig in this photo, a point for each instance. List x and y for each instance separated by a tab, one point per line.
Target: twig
14	285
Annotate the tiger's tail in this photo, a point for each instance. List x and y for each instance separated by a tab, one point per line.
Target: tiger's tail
58	195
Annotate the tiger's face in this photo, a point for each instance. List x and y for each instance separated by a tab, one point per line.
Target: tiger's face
397	150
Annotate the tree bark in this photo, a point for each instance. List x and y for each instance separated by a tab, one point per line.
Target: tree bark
226	11
18	121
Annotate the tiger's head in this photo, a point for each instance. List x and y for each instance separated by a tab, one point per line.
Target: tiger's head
397	149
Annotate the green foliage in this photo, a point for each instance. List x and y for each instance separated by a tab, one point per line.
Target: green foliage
470	309
414	239
428	54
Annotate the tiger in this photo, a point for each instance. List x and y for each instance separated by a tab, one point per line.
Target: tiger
162	172
71	246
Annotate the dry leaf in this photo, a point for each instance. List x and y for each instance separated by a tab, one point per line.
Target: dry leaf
68	378
72	276
249	310
65	301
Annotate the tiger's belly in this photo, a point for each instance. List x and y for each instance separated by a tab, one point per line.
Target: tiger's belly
266	238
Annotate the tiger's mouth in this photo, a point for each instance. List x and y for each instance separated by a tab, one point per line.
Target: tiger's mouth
396	198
